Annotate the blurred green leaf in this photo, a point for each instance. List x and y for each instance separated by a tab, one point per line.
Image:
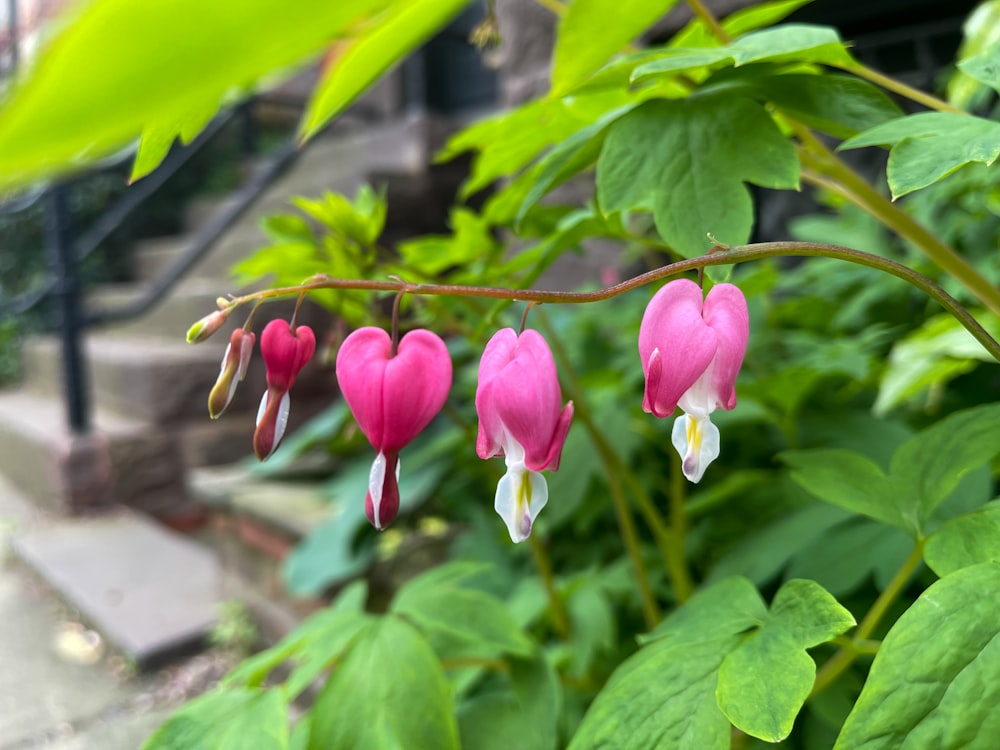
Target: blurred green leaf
929	357
355	63
591	31
849	481
389	692
687	162
935	681
117	69
757	16
226	720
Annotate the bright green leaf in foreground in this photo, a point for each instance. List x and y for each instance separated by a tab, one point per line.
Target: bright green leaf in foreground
929	146
687	162
356	63
935	682
766	679
591	31
226	720
388	693
964	541
121	68
757	16
722	654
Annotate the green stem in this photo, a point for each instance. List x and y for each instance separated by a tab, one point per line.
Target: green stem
733	255
711	22
677	565
841	660
560	618
898	87
815	156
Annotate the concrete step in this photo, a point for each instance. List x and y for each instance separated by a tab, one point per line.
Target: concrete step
171	317
124	460
151	592
151	256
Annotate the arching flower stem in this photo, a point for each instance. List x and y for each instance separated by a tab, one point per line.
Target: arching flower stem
735	254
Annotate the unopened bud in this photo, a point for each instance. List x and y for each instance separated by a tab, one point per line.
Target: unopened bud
222	303
234	366
205	327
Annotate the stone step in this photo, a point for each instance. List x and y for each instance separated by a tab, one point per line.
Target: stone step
152	256
124	460
151	592
170	318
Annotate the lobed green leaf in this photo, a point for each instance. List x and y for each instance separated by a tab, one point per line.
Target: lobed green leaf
226	720
965	541
687	162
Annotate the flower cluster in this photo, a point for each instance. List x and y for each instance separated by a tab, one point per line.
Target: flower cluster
691	348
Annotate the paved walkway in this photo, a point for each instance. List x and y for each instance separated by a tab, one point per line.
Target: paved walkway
60	688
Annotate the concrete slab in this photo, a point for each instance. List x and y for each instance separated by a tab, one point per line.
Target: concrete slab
40	692
126	732
151	592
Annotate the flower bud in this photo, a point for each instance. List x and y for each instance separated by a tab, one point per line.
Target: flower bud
234	368
205	327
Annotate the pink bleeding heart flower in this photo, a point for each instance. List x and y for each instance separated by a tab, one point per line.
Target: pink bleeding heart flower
234	368
285	353
692	351
521	417
393	397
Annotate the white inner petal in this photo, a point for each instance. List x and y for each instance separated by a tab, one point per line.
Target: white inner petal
376	480
521	495
696	439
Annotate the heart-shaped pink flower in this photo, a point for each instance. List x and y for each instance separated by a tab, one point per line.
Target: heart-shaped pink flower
285	353
393	397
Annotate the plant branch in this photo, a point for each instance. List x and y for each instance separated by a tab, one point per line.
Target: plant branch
683	587
733	255
560	618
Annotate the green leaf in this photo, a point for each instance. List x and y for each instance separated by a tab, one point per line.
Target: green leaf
932	355
847	480
687	162
836	104
787	43
388	693
982	32
358	62
509	141
763	684
226	720
661	698
765	681
928	466
965	541
434	603
591	31
728	607
984	67
929	146
935	681
321	651
524	714
118	68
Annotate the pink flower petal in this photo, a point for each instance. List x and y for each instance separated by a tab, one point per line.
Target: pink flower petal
726	313
673	324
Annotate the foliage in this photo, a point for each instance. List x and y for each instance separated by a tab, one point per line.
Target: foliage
855	488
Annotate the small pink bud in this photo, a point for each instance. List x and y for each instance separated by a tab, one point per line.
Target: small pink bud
234	368
393	398
285	353
205	327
